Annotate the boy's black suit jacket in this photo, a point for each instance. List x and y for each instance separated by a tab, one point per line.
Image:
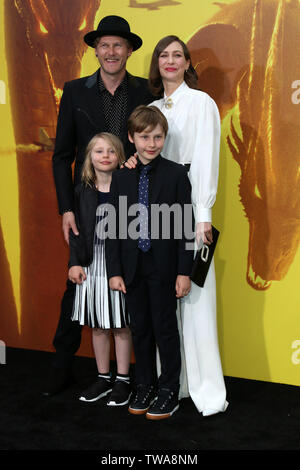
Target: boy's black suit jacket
171	185
80	118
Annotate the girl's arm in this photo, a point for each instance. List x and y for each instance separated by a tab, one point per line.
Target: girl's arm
112	244
77	274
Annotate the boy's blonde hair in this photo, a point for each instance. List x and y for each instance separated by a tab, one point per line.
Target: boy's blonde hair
88	175
144	117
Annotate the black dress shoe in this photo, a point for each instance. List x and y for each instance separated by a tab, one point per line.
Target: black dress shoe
142	400
57	381
165	405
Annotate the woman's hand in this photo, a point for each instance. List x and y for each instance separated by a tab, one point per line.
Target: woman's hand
77	274
131	162
204	233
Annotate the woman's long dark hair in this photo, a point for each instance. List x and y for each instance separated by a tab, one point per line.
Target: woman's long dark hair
155	81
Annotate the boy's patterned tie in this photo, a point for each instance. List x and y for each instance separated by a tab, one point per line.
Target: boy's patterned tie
144	239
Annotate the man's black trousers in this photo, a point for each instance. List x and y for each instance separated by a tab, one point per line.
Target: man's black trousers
67	338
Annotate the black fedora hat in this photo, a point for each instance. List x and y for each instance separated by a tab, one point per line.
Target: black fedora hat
114	26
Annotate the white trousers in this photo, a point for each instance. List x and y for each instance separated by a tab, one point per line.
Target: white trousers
201	374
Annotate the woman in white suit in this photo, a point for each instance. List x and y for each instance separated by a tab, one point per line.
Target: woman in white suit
193	139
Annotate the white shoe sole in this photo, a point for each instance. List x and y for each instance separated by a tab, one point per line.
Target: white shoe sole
113	403
96	398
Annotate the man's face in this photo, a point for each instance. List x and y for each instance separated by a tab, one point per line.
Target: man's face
148	143
112	53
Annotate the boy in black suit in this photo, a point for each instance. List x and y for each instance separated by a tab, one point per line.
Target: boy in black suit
152	270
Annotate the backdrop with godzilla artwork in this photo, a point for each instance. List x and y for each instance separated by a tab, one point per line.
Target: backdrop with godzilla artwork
245	53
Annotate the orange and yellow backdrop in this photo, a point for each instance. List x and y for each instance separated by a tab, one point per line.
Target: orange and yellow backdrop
245	53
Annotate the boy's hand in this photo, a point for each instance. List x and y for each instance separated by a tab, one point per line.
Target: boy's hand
131	162
117	283
182	286
77	274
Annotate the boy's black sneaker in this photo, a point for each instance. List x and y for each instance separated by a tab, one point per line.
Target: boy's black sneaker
97	390
164	406
142	400
120	393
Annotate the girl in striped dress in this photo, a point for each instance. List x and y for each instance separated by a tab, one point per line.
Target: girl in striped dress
95	304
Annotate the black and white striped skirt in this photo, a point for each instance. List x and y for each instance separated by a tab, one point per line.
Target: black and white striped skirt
95	304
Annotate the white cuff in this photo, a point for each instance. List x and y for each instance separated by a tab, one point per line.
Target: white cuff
203	214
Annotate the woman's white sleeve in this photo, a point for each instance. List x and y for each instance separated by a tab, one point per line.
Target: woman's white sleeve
204	170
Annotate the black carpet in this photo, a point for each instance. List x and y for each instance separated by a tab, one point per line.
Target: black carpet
260	416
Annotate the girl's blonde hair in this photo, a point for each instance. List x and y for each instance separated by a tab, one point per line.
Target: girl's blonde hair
88	175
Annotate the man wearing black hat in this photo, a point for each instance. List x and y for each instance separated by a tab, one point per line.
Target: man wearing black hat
98	103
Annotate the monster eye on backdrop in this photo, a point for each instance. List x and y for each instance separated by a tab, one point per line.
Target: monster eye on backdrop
245	57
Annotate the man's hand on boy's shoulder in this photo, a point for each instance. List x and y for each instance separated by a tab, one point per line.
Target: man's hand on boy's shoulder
182	286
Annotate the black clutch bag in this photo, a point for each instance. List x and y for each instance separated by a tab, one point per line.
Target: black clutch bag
203	259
